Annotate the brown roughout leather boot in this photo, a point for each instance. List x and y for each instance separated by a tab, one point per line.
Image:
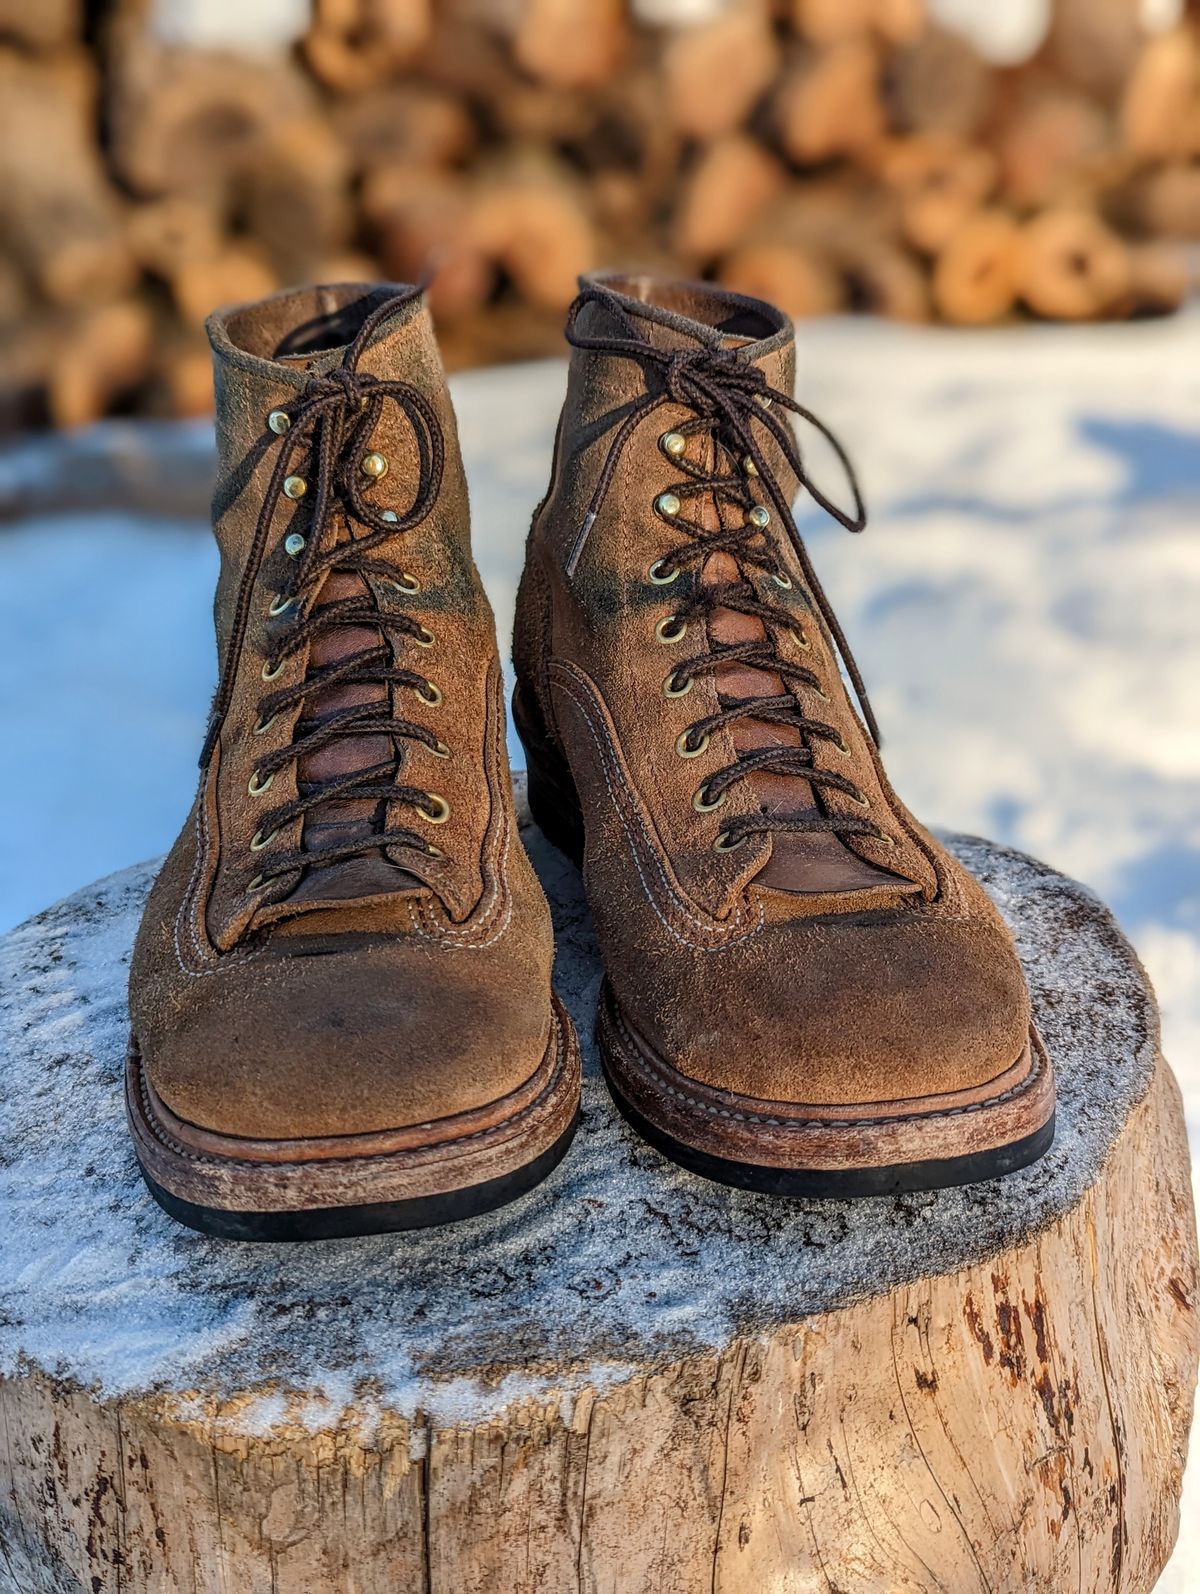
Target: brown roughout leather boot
342	1019
805	994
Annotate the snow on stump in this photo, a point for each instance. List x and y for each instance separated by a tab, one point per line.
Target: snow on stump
630	1380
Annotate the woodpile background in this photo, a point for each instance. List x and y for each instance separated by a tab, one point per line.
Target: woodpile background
827	154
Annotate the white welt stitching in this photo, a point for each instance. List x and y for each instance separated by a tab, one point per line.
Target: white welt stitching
727	937
383	1158
480	933
218	963
637	1060
472	937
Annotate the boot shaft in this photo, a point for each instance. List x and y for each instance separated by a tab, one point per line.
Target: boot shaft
681	320
265	355
665	563
357	647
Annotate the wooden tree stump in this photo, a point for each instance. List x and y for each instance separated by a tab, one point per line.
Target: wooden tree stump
631	1380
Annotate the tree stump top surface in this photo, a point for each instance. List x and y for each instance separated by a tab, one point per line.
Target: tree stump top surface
619	1262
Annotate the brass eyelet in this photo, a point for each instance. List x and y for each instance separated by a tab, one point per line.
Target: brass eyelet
272	675
433	852
759	517
677	691
723	843
673	444
257	787
859	799
403	583
431	693
279	604
703	807
668	505
824	696
842	746
665	634
440	751
657	573
279	421
684	751
800	638
782	579
440	809
264	726
426	638
883	839
260	841
256	884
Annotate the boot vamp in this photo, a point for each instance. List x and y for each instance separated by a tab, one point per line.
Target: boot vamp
331	1036
878	1008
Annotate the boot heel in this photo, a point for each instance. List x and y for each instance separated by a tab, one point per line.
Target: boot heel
553	800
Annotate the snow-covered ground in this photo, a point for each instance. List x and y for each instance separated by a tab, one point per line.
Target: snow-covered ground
1025	604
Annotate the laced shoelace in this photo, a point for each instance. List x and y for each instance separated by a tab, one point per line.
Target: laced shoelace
730	397
336	416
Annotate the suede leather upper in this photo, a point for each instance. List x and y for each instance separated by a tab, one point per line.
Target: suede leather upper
798	968
394	987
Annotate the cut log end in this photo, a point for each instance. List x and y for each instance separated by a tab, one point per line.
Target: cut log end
975	277
1071	267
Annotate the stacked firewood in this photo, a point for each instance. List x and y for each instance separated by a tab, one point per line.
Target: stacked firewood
827	154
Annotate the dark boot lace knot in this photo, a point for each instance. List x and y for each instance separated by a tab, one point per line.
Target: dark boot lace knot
334	419
733	405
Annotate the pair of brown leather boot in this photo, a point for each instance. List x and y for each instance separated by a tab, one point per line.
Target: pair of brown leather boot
342	1011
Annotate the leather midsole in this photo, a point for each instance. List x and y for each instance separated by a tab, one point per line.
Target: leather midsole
343	1172
723	1123
412	1137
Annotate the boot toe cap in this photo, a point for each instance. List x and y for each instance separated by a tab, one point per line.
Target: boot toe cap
297	1047
856	1014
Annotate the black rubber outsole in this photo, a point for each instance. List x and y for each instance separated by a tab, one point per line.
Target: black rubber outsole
837	1184
379	1217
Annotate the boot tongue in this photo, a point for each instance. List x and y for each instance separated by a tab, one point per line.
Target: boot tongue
344	819
800	863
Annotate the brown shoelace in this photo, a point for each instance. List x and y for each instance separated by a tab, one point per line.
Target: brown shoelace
730	397
336	415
